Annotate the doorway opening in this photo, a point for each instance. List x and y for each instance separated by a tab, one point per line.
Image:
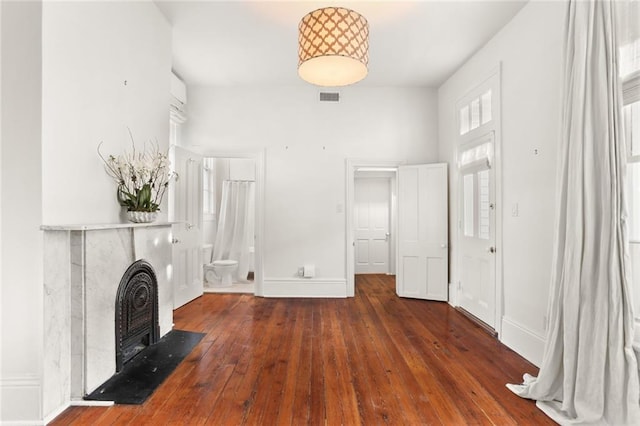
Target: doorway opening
417	235
228	231
374	199
477	284
371	219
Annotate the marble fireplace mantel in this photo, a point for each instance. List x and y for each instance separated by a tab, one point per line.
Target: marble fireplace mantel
102	226
83	266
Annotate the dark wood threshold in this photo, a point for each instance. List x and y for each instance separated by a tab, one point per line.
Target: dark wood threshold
477	321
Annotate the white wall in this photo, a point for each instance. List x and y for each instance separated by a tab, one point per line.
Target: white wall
529	50
306	144
21	315
63	72
106	67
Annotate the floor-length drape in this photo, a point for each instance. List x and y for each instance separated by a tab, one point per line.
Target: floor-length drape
234	237
589	373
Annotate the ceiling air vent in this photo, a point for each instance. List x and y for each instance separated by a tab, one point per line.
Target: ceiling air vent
329	96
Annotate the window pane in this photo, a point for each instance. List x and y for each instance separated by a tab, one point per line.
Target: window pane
475	113
477	153
464	120
469	205
486	107
629	58
483	220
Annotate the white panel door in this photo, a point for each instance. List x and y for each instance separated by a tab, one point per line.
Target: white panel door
372	203
477	247
422	232
187	231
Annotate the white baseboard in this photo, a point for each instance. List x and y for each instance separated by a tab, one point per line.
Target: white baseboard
55	413
88	403
305	287
23	423
75	403
522	340
21	401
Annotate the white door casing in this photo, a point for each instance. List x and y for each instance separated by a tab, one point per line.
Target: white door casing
187	229
371	221
422	232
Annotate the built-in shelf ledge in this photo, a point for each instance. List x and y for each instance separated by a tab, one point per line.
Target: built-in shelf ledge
102	226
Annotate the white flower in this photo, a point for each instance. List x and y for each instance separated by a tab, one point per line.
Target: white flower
137	169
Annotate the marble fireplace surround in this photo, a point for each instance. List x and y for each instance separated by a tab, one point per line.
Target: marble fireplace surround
83	266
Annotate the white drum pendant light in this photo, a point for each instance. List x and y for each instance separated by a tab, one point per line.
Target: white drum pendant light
333	47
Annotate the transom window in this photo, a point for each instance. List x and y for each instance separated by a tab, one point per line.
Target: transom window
476	113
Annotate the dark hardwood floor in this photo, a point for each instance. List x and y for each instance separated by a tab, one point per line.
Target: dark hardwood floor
373	359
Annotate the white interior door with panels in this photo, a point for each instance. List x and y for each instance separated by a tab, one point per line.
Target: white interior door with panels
187	231
371	222
477	230
422	232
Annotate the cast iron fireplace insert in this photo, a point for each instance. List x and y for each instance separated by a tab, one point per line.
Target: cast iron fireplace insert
137	324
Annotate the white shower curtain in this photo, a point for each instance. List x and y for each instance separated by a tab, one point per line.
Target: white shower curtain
235	235
589	373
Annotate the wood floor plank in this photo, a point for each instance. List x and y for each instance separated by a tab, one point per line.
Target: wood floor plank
339	392
302	402
389	392
372	359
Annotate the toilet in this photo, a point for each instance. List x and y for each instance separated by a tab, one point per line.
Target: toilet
218	273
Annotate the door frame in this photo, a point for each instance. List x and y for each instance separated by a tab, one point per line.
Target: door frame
351	165
259	158
493	78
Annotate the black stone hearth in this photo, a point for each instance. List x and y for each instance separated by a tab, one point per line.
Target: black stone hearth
144	373
137	324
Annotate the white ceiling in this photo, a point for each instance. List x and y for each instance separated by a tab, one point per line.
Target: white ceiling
244	43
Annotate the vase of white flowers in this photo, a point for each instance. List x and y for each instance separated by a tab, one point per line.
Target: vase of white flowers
142	178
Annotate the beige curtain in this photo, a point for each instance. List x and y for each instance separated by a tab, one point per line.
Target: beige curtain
589	373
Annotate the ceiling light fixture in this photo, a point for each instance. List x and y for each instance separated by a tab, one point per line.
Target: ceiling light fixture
333	47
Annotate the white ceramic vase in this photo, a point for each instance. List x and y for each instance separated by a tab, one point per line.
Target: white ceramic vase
141	217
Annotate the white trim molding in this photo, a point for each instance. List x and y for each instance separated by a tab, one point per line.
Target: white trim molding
305	287
21	401
525	342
